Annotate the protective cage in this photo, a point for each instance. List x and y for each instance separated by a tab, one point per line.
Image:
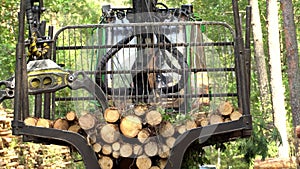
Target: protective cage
182	67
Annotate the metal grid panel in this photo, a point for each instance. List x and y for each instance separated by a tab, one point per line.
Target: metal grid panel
179	66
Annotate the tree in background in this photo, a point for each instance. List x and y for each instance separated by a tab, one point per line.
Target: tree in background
276	77
293	61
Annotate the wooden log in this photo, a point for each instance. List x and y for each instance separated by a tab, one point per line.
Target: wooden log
143	162
162	163
30	121
225	108
43	123
190	124
154	167
130	126
164	151
126	150
116	146
203	122
116	154
111	115
297	131
71	116
215	119
74	128
109	133
137	150
97	147
166	129
143	135
153	118
227	120
87	121
106	149
151	149
170	141
105	162
181	129
61	124
235	115
140	109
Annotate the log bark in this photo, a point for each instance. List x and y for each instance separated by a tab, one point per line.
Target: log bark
71	116
105	162
61	124
126	150
30	121
109	133
43	123
143	162
151	149
153	118
111	115
130	126
166	129
225	108
87	121
235	115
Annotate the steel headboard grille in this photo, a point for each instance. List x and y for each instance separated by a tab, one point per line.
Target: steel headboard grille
179	66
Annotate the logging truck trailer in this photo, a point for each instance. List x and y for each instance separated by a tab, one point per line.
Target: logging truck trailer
142	85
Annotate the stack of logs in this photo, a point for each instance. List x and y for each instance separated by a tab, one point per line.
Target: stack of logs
139	139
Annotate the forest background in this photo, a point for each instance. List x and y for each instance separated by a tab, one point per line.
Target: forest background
266	137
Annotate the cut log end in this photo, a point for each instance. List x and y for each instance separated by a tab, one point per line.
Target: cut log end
111	115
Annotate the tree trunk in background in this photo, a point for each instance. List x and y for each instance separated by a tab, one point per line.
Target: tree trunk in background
276	77
260	56
293	61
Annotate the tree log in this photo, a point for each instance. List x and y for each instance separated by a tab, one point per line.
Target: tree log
190	124
74	128
116	146
106	149
116	154
105	162
140	110
71	116
181	129
170	141
137	149
61	124
153	118
130	126
154	167
97	147
111	115
88	121
126	150
225	108
109	133
43	123
30	121
235	115
166	129
143	135
151	149
215	119
143	162
164	151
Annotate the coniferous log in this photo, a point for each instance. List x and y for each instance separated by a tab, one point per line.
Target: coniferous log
235	115
109	133
130	126
126	150
166	129
225	108
138	150
153	118
30	121
140	110
215	119
61	124
74	128
71	116
44	123
143	135
170	141
151	149
88	121
105	162
111	115
143	162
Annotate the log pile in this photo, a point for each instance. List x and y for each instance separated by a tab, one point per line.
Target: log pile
275	163
141	138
